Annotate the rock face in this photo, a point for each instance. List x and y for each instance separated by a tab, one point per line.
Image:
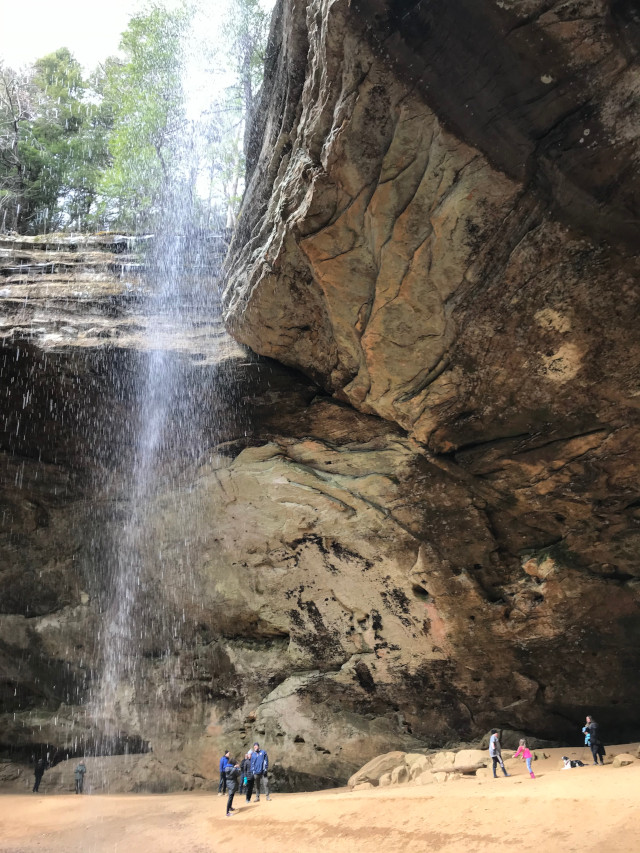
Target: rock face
432	528
441	230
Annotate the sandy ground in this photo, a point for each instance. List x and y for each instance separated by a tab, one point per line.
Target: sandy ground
585	809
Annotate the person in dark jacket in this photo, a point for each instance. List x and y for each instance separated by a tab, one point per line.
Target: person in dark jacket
79	776
222	784
40	767
596	745
259	768
232	772
245	776
495	752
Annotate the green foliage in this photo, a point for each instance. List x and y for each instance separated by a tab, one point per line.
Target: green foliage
51	161
144	95
14	114
246	32
102	151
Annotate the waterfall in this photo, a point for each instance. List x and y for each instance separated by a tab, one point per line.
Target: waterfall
170	432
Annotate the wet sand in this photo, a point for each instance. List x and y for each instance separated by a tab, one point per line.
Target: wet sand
585	809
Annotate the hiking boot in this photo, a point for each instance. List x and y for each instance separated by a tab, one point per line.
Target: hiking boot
268	798
230	814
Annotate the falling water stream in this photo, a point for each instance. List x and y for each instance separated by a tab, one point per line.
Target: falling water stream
181	308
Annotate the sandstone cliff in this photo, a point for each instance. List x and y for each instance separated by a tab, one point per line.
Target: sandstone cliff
441	229
416	514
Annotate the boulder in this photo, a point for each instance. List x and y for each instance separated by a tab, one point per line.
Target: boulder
446	758
374	769
424	778
462	770
623	759
363	786
467	757
417	764
399	775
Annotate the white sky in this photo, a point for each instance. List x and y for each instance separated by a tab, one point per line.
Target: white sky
30	29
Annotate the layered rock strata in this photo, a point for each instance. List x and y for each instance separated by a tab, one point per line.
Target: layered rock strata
441	230
432	529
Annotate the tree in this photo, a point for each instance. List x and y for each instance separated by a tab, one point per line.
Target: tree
108	149
15	112
245	33
145	96
246	30
52	145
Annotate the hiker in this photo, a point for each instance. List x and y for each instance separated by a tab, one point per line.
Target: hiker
79	777
246	779
526	754
259	768
40	767
222	784
232	772
595	744
495	752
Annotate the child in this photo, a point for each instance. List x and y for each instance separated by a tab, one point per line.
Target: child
526	754
232	772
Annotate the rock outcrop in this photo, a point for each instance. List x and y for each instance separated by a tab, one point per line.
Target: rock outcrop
440	229
416	514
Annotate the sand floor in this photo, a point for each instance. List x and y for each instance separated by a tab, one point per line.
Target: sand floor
585	809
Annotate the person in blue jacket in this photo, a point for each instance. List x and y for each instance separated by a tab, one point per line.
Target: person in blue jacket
259	768
222	785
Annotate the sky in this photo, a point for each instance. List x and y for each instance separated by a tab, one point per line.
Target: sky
32	28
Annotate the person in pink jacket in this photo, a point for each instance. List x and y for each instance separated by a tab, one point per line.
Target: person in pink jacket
524	750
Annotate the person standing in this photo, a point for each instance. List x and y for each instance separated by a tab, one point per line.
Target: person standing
40	767
259	768
595	744
232	772
79	777
222	784
495	751
524	750
246	779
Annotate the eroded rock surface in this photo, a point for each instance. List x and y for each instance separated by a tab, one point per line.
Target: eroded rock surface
436	530
441	230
